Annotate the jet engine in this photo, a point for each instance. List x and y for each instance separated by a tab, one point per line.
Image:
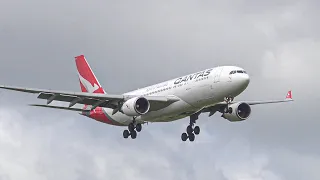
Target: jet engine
238	112
135	106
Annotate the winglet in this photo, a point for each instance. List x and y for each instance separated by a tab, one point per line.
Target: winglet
289	95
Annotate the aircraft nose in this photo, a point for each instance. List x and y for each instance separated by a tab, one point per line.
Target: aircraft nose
242	81
245	79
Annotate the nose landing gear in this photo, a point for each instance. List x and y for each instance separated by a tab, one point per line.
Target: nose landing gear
228	100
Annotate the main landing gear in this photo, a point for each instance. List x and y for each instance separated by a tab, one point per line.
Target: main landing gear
133	128
191	131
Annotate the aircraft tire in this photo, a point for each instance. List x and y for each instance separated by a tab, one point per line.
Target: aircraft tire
197	130
138	127
126	134
133	134
184	136
191	137
131	127
189	129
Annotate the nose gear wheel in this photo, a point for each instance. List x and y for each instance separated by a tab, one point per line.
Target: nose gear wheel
228	100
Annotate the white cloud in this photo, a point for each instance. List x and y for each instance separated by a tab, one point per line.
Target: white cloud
296	61
65	149
238	162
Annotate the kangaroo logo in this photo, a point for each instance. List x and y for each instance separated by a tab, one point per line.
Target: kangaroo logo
89	87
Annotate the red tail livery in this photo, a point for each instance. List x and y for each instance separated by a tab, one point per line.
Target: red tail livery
88	81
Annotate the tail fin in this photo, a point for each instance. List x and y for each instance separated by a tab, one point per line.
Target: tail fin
88	81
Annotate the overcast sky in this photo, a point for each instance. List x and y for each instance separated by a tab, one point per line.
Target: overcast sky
131	44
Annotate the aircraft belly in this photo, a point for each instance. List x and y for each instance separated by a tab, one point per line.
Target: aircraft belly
118	117
174	111
199	96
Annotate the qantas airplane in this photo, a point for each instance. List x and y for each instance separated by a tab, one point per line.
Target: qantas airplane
209	91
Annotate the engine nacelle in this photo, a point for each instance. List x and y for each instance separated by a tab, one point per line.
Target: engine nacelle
239	112
135	106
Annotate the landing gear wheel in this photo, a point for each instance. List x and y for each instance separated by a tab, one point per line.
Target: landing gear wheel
133	134
126	134
197	130
228	110
189	129
191	137
184	136
138	127
131	127
228	99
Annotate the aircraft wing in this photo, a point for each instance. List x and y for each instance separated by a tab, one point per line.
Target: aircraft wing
219	107
287	99
94	99
59	107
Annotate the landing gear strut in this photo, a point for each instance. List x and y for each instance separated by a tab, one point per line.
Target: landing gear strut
133	128
228	100
191	131
228	109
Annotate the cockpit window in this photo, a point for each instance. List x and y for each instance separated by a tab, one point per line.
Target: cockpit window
238	71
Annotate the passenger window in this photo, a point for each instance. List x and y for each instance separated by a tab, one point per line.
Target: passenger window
239	71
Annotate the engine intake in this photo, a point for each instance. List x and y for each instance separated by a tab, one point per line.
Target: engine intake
240	112
136	106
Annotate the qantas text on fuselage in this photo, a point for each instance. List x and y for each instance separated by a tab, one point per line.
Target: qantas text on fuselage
193	76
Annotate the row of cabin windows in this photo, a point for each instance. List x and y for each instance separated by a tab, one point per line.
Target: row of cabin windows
238	71
160	90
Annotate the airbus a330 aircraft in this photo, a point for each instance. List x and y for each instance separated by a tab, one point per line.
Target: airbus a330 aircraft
211	90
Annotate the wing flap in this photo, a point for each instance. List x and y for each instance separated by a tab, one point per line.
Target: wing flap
66	98
56	97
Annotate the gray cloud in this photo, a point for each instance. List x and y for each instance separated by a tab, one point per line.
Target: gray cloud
277	42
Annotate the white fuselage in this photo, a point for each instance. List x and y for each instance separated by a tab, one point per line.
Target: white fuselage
195	91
